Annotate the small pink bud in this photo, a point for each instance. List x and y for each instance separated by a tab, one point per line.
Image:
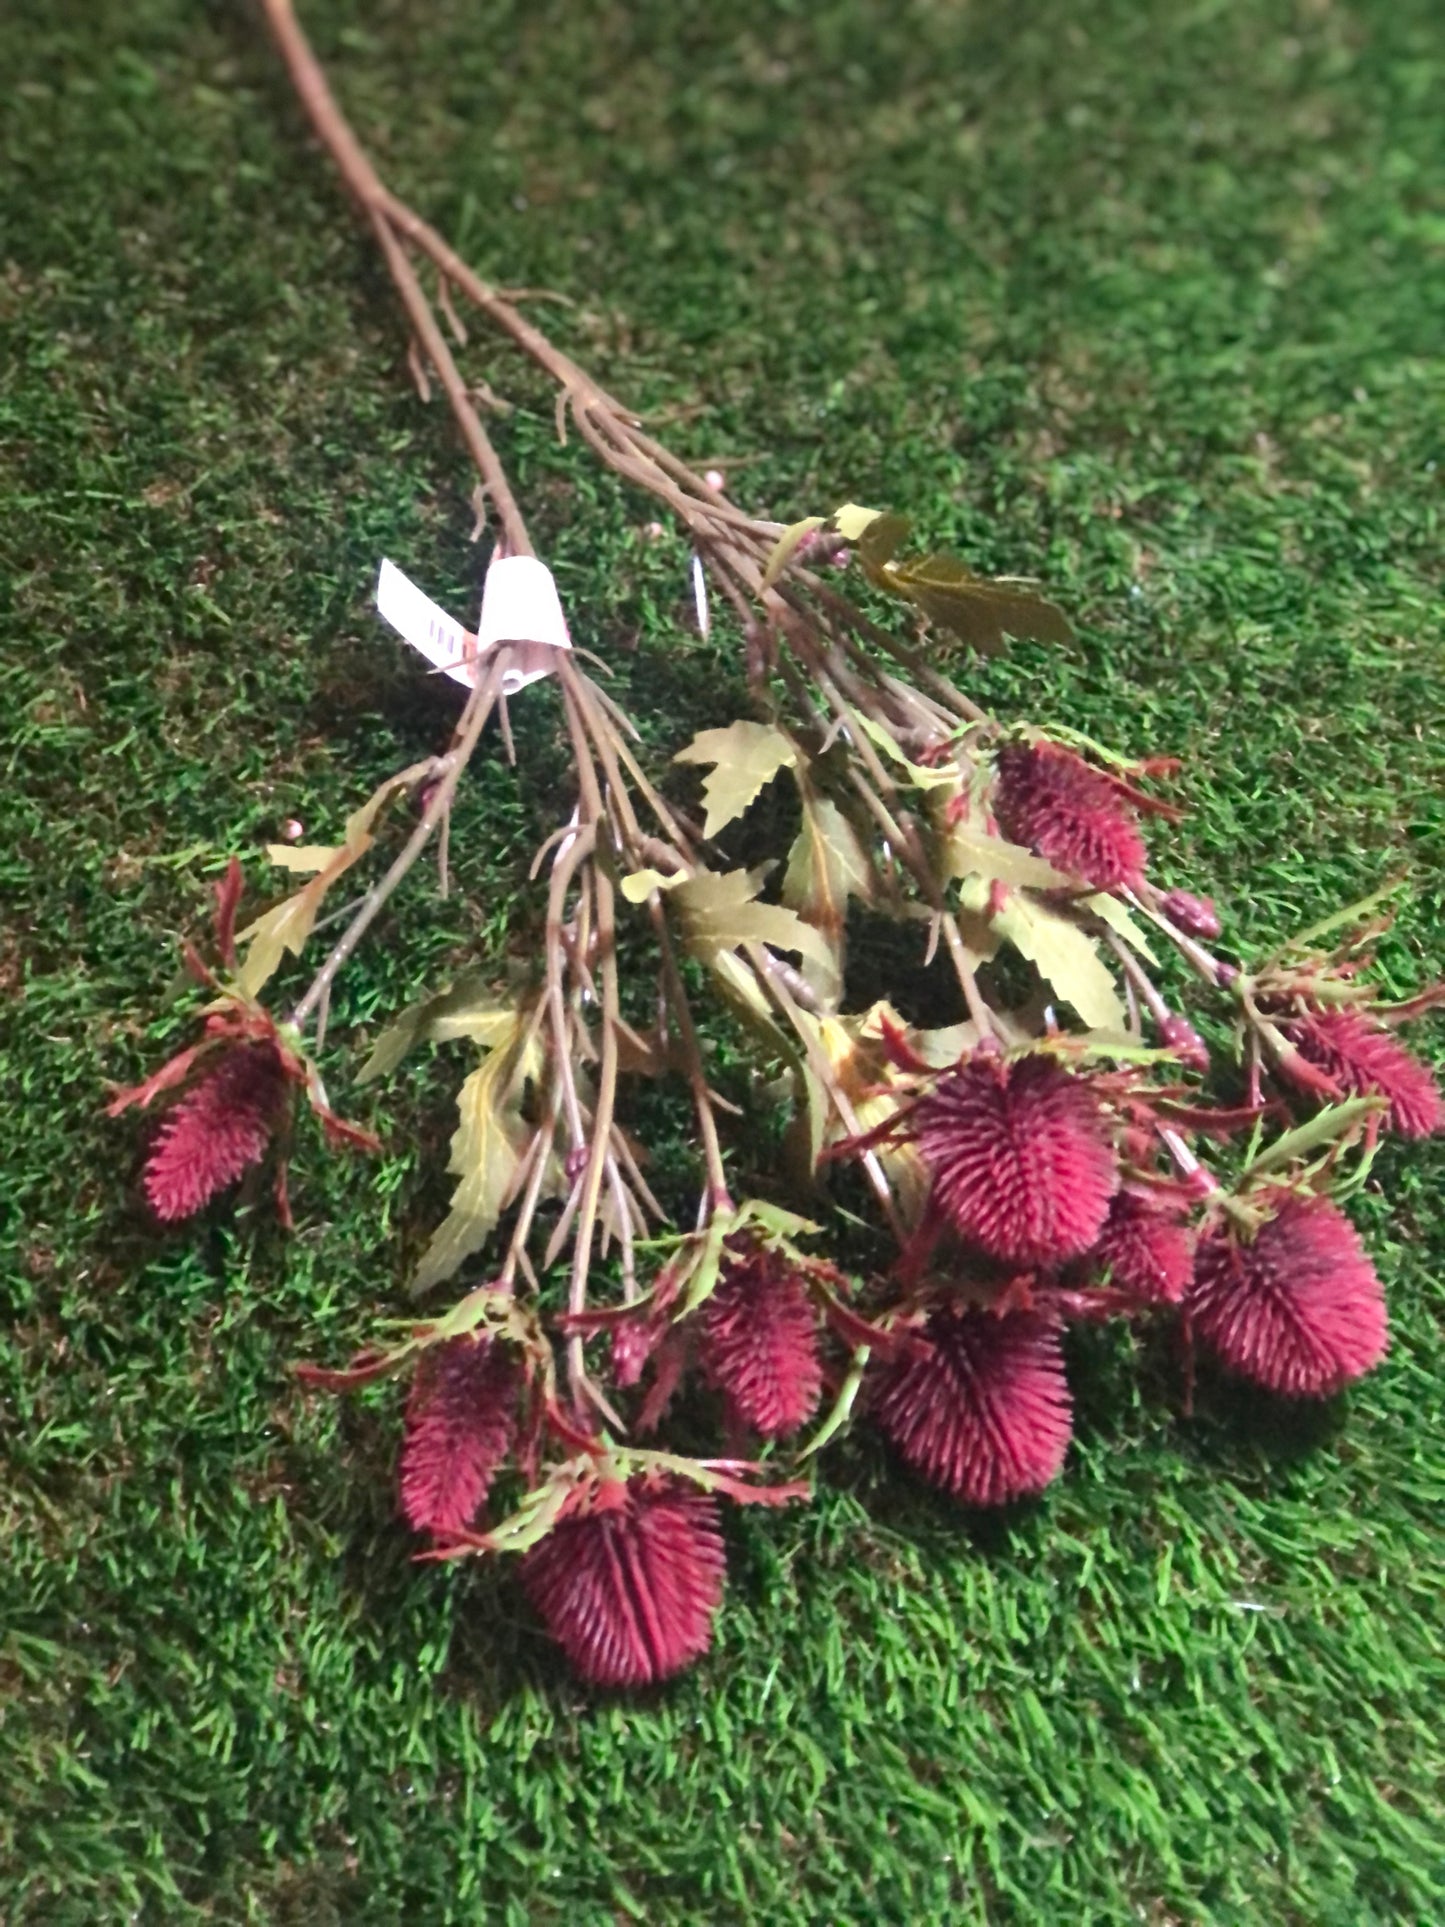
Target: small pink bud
1195	916
1180	1036
716	480
294	830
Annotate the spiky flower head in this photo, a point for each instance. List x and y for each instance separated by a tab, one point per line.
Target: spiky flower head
460	1423
1144	1250
1298	1307
1065	810
1021	1161
218	1130
1363	1058
978	1403
760	1343
629	1586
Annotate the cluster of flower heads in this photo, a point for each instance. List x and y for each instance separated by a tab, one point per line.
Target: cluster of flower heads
1059	1183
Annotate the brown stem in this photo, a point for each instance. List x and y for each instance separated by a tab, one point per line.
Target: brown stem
478	708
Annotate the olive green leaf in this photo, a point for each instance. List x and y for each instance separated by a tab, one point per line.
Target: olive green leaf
827	864
488	1151
468	1009
718	912
747	757
289	923
1109	910
786	547
1064	955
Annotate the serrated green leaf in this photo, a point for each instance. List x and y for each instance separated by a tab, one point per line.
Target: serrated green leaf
972	852
852	521
1109	910
638	887
787	545
468	1009
978	610
304	857
827	864
487	1153
718	912
1333	1122
1064	955
747	757
288	925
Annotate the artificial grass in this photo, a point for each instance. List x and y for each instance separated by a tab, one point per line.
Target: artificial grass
1131	297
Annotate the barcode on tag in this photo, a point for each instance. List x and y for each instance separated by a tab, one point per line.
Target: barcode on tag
426	627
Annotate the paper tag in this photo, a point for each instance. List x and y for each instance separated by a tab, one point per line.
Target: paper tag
520	606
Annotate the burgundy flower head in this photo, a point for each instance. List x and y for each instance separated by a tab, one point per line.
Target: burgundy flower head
760	1344
217	1131
1056	804
630	1588
1144	1251
979	1404
460	1423
1363	1057
1299	1309
1020	1160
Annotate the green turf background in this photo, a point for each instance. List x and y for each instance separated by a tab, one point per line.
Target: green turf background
1142	295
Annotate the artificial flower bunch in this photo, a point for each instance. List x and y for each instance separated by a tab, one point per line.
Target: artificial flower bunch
1050	1155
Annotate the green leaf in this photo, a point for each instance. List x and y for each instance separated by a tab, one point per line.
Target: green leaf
288	925
487	1154
1065	957
1109	910
747	757
978	609
786	547
970	852
842	1408
303	857
638	887
826	865
468	1009
1335	1121
718	913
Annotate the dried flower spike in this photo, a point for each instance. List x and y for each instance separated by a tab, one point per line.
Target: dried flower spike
760	1344
218	1130
1299	1308
629	1588
979	1404
460	1423
1362	1057
1020	1160
1144	1251
1060	806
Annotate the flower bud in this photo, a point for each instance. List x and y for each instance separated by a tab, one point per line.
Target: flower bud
1180	1036
1195	916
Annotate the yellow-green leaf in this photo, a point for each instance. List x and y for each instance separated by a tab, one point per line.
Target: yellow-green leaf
979	610
827	864
1065	957
638	887
718	913
972	852
787	545
303	857
468	1009
487	1154
1109	910
287	925
747	756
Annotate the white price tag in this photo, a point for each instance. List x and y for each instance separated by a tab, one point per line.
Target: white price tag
520	606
